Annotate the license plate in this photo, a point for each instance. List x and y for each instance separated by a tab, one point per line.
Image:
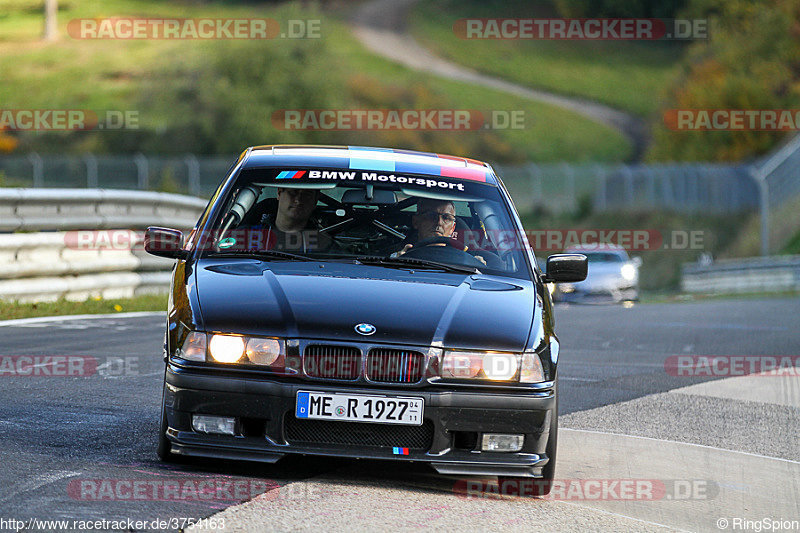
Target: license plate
359	408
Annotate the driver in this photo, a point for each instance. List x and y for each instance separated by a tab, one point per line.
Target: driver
434	218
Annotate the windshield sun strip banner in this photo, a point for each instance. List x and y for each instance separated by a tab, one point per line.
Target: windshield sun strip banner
383	160
327	178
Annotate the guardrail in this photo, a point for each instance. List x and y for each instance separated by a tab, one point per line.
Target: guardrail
54	262
64	209
758	274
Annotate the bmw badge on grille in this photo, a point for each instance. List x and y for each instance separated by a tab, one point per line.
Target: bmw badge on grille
365	329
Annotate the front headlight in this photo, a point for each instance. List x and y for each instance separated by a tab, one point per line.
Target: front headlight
226	348
229	348
492	366
496	366
261	351
500	366
628	272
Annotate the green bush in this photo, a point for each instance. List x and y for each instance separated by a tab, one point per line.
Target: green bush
751	61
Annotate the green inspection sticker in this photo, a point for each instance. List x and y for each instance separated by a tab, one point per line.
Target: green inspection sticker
227	242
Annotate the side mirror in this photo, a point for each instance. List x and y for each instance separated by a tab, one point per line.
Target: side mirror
566	268
164	242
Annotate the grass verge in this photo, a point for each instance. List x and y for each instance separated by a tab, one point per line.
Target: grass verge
103	75
630	76
147	302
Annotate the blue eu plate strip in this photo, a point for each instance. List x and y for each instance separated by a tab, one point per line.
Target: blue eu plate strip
301	411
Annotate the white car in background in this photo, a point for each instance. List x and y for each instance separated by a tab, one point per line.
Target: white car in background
612	274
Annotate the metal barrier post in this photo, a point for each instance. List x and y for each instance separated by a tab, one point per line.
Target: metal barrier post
141	171
38	169
194	174
91	170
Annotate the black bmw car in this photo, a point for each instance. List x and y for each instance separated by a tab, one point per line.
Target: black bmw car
362	302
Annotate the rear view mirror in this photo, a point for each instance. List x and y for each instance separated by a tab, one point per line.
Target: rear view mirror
164	242
369	197
566	268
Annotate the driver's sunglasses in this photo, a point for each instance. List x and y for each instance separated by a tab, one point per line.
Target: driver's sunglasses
433	217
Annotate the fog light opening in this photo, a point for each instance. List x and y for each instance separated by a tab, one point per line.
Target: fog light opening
218	425
502	442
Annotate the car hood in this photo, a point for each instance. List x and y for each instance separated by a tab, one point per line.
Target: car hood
327	300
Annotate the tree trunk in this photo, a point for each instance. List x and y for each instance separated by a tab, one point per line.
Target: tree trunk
50	20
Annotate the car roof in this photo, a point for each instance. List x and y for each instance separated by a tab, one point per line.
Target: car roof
368	158
605	247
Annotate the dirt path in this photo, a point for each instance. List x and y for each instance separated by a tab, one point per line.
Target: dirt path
380	25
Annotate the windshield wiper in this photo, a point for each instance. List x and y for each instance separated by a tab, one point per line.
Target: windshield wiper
263	254
412	261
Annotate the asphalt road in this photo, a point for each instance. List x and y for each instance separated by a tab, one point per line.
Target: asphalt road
75	447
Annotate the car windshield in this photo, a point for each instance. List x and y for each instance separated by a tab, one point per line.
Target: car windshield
412	221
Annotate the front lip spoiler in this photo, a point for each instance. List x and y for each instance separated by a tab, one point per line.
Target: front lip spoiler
218	452
523	465
491	469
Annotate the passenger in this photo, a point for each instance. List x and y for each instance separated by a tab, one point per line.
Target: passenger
290	228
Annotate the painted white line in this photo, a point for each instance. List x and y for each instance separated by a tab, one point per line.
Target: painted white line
682	443
38	482
570	378
673	528
40	319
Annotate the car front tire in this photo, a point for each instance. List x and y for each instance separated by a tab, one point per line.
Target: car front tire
164	449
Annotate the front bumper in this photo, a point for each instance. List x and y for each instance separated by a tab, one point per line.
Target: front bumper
261	405
615	292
